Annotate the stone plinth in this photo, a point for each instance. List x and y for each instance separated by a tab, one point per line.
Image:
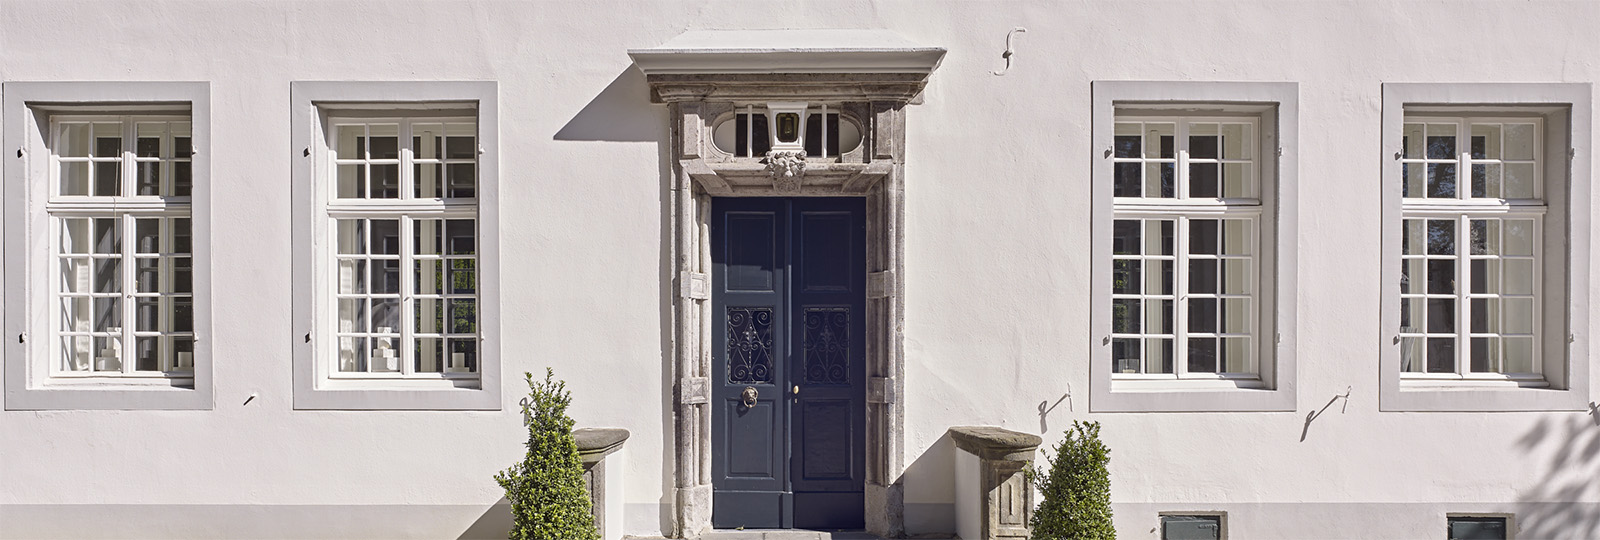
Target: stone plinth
993	498
605	491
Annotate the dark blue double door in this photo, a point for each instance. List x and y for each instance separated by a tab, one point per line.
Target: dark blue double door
789	392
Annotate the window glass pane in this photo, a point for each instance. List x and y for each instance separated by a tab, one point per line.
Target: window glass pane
463	355
1441	180
1518	354
1519	141
463	316
1411	360
1125	236
1158	316
427	181
1204	141
1127	142
384	181
429	278
352	354
463	180
1124	316
352	181
1203	236
1441	141
430	316
385	236
1158	237
107	140
1125	355
1441	315
1202	355
1125	276
1517	276
350	141
352	236
352	276
74	178
385	355
1414	179
1237	181
1518	236
1441	355
464	277
1413	142
1203	180
1236	316
1519	180
1413	237
1236	276
462	141
386	276
1158	277
1485	141
1160	180
107	354
429	355
73	140
1411	315
75	315
383	141
1158	141
1158	355
1518	317
107	275
1236	355
1486	180
461	235
1203	315
1203	276
1238	141
1477	528
1441	237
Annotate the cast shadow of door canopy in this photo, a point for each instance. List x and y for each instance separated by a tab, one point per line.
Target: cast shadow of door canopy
622	112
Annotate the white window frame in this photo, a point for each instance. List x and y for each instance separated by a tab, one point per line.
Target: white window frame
32	380
1275	104
1561	250
316	107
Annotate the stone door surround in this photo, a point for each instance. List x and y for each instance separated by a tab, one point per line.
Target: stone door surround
869	76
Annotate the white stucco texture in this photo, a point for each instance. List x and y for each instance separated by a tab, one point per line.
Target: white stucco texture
997	265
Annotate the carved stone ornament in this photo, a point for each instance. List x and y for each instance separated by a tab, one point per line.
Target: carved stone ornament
787	168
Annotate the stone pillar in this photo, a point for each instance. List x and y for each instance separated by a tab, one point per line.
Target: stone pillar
605	493
993	499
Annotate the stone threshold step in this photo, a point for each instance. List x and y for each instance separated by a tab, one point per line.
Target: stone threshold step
784	534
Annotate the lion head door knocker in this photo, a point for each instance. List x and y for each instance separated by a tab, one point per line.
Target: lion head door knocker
750	394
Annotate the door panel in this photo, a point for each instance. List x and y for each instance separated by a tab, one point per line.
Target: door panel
789	279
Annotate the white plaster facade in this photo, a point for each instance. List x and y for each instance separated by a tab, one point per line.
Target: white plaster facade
997	288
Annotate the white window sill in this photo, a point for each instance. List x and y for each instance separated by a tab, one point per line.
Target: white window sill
152	382
1408	383
1169	384
398	383
1191	395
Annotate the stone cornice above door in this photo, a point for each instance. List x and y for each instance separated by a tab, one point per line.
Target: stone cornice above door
865	76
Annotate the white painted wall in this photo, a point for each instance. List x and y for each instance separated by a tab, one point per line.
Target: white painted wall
997	272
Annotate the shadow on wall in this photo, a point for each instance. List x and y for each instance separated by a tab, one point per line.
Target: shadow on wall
930	491
620	113
1556	507
494	523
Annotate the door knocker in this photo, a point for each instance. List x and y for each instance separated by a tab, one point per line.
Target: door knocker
750	394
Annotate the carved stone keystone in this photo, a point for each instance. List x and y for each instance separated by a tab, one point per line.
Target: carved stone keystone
1005	500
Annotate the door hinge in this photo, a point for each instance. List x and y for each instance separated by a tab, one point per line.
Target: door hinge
694	285
880	390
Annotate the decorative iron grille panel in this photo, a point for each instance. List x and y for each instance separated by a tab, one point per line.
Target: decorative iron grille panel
827	345
749	345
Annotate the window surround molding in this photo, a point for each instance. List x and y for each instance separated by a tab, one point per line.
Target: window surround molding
313	103
1567	110
27	111
1276	391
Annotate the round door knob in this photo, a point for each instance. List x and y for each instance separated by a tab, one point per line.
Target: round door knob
797	389
750	394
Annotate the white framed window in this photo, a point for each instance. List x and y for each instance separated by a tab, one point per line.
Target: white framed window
1185	250
400	194
1485	246
109	305
1193	246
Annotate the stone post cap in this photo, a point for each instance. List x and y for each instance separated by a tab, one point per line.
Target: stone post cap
596	443
991	442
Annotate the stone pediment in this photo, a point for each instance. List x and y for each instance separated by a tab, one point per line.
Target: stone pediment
708	78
